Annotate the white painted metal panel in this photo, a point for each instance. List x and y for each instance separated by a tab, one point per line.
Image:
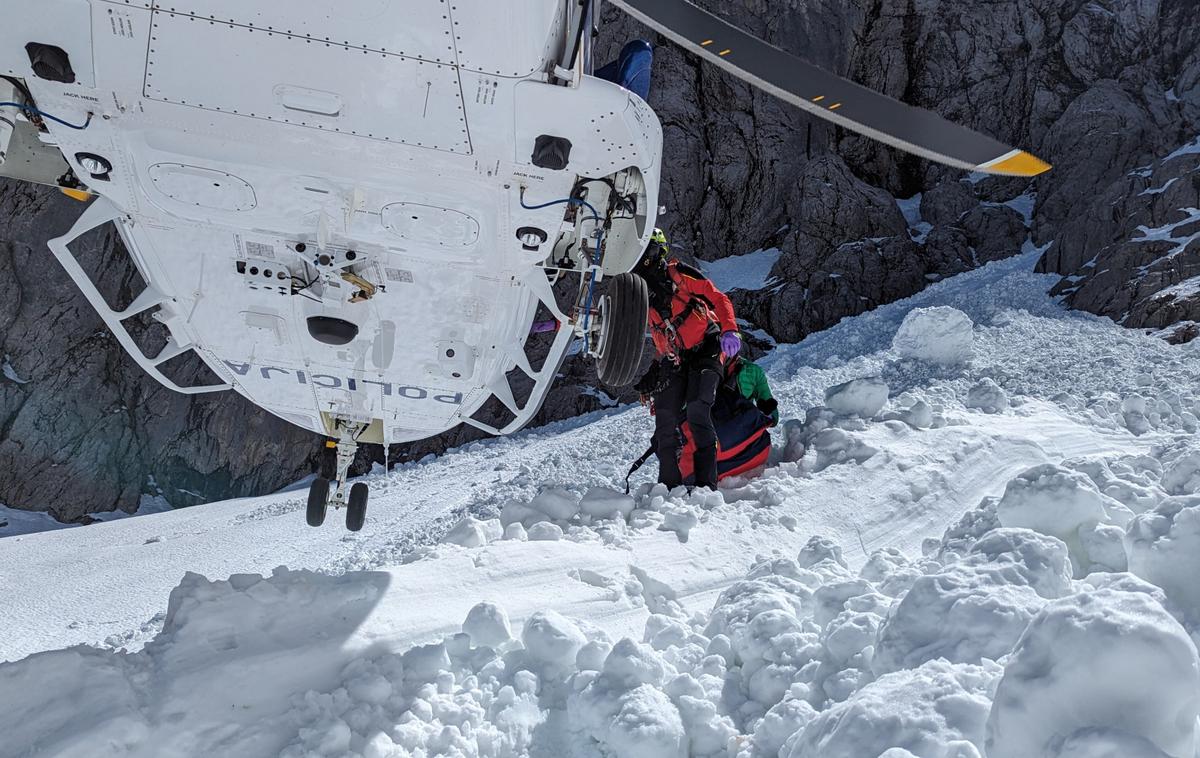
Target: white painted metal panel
64	23
236	69
438	227
202	187
415	28
509	38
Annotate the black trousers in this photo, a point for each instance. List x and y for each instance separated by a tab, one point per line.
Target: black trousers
688	391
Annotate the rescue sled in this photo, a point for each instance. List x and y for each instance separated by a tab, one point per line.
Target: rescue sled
743	439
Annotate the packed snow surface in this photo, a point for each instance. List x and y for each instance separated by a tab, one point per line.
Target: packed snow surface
922	571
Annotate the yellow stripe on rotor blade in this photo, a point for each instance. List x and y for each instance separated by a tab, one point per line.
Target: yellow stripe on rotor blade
76	194
1016	163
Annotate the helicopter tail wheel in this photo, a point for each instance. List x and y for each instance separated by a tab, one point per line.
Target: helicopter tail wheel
622	335
318	501
356	509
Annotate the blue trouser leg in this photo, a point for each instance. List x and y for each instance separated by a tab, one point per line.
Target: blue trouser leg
632	69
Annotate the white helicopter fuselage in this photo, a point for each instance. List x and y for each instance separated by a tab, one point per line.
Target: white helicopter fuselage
366	161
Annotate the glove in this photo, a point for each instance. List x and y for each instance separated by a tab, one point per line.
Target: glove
770	409
731	344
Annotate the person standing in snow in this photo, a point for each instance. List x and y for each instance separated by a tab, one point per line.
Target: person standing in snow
750	381
694	331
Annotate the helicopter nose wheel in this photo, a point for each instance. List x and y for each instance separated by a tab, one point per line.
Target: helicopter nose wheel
330	487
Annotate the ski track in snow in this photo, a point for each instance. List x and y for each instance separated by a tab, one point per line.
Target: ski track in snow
1069	377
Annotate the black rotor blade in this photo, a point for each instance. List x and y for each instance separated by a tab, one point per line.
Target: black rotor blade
831	97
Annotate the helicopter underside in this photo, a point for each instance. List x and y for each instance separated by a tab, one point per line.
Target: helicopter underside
271	168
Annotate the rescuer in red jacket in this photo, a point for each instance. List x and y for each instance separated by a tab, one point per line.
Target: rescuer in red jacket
694	331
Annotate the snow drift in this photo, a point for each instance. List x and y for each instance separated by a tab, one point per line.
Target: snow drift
918	574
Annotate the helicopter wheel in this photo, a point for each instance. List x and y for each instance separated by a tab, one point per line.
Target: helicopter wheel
318	501
356	509
623	330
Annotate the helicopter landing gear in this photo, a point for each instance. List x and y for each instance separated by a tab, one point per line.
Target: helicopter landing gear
330	488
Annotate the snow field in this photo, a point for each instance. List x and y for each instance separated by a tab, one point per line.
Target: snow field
1056	615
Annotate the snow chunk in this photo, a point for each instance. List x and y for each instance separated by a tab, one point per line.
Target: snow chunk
1108	659
520	514
936	711
834	446
890	572
1056	501
545	531
859	397
557	503
1105	547
964	614
940	335
784	721
987	396
470	532
551	638
1024	556
1099	742
819	549
638	723
516	531
603	503
1164	548
631	664
1182	477
487	625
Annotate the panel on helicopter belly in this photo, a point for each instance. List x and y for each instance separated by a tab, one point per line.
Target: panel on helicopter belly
289	79
425	348
415	28
514	38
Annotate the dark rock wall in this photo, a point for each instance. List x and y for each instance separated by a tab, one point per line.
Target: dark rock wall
1104	89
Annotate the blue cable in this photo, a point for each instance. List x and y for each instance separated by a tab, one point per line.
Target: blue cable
564	201
592	284
43	114
587	305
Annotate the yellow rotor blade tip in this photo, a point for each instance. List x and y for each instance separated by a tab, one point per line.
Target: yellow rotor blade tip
1020	163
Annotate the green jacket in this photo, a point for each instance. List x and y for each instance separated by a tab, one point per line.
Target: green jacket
752	383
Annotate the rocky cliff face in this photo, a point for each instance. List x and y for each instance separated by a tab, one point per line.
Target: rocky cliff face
1104	90
1107	90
